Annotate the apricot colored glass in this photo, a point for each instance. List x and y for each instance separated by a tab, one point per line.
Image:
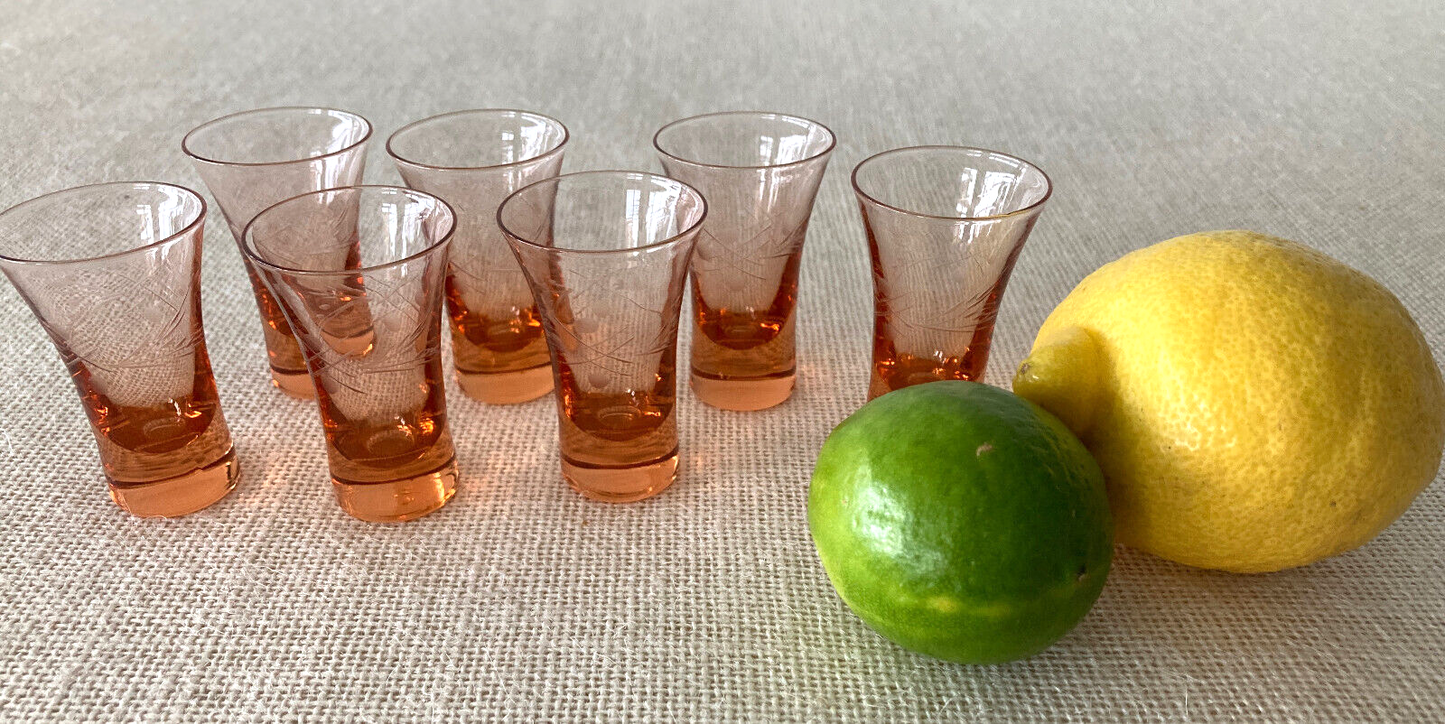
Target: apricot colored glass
759	173
358	272
606	254
253	159
113	272
475	159
945	225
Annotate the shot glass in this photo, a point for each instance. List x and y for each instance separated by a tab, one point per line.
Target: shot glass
945	225
606	254
358	272
759	173
113	272
474	159
253	159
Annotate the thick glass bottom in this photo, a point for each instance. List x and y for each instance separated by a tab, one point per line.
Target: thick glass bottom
757	393
506	388
181	495
296	384
621	484
393	501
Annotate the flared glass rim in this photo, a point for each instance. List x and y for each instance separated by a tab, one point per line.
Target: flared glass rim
832	139
190	227
691	228
186	141
975	150
554	150
440	242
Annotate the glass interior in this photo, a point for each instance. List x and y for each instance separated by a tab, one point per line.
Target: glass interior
96	221
349	229
951	182
744	139
276	135
602	211
477	139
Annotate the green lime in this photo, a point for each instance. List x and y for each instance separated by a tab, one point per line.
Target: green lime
961	521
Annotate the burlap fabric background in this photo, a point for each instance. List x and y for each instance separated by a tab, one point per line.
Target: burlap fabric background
1320	121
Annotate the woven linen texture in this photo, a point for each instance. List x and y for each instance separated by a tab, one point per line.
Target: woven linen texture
521	601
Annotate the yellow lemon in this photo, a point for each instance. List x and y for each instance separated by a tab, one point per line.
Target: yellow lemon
1254	404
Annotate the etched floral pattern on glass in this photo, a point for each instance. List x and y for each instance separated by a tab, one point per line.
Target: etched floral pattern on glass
759	173
945	226
253	159
113	273
474	159
359	273
606	254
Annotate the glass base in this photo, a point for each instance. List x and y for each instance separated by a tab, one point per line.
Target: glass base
506	388
620	484
878	386
293	383
757	393
393	501
181	495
